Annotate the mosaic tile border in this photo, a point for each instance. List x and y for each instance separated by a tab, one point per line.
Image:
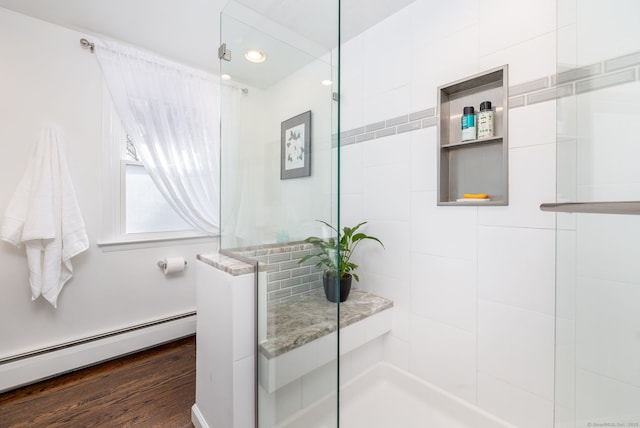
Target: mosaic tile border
575	81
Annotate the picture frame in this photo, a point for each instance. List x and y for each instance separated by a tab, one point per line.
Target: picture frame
295	147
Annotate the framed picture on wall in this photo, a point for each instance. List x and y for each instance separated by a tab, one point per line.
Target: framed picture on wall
295	146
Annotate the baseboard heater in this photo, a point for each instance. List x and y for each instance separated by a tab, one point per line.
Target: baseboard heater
40	364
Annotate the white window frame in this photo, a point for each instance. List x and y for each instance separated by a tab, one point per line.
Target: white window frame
113	225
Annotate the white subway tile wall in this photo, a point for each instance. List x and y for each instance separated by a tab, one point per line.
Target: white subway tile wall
598	396
467	282
599	235
513	403
445	355
444	290
611	325
473	287
524	93
524	281
516	346
526	75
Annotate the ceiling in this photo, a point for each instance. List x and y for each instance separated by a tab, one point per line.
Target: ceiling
188	31
313	19
185	30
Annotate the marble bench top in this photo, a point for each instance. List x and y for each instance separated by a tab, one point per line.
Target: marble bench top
302	319
227	264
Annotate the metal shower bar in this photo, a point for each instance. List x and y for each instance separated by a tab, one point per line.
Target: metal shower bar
621	207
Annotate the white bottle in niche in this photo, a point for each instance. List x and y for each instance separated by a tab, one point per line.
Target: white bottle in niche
468	124
485	120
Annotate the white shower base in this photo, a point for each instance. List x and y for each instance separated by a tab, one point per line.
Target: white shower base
386	396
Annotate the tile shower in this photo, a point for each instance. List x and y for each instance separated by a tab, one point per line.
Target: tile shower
473	288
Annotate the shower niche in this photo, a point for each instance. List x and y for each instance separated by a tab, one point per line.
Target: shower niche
477	166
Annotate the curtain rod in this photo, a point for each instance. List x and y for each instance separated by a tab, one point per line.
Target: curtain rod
92	48
88	45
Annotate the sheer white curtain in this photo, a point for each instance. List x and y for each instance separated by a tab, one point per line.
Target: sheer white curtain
171	114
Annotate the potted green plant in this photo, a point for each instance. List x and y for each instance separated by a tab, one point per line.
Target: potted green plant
345	243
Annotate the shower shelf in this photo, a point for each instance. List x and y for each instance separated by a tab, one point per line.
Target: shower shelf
480	165
471	142
618	207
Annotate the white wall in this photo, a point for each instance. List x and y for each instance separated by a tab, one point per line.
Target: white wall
265	205
45	76
473	287
598	288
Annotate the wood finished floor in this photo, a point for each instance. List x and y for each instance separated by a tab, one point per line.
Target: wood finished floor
153	388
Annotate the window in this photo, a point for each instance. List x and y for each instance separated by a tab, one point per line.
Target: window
133	208
145	209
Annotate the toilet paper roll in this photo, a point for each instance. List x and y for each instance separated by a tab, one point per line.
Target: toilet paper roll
173	265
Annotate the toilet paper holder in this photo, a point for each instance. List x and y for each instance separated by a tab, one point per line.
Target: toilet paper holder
162	264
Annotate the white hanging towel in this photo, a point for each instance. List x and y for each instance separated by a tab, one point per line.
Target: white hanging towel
44	215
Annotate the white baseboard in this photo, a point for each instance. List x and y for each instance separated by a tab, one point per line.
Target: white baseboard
28	370
197	419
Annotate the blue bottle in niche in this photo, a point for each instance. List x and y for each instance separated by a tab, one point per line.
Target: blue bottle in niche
469	124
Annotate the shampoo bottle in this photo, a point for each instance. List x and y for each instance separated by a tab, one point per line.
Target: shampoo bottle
468	124
485	120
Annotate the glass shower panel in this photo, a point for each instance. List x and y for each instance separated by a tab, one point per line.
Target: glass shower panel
598	274
279	176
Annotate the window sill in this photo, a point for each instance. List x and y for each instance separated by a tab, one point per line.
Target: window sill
149	241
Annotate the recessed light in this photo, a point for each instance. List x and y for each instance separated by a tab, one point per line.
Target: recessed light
327	82
225	77
255	56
